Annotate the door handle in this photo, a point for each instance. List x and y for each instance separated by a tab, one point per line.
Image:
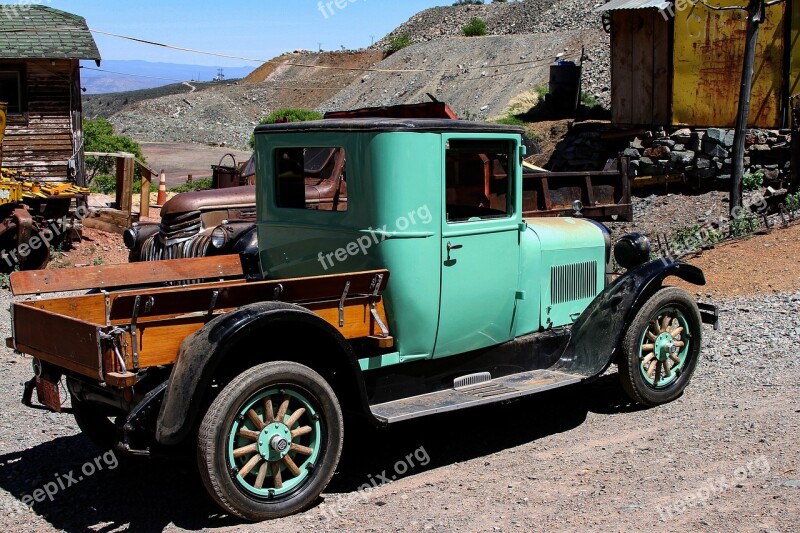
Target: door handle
451	247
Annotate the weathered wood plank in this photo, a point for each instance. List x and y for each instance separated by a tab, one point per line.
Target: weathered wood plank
129	275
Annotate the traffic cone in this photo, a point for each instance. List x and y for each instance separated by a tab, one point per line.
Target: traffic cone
162	190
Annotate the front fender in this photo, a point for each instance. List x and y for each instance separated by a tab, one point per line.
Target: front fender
598	332
202	352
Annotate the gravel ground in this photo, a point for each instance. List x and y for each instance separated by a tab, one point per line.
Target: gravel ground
576	459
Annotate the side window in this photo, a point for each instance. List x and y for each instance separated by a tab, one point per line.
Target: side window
11	89
478	184
311	178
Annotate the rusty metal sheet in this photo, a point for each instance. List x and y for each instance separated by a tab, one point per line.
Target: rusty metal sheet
618	5
708	59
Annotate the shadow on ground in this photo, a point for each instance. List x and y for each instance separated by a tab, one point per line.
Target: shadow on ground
145	495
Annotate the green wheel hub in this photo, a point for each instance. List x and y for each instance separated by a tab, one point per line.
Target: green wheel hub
664	347
274	442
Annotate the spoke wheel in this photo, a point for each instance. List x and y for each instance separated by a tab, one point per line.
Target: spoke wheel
661	348
270	442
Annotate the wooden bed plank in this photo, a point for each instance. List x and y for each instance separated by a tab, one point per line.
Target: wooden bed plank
129	275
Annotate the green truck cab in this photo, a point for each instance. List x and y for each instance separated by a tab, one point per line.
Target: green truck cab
429	290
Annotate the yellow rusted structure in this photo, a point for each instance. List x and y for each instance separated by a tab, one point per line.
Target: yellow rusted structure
794	69
3	109
707	65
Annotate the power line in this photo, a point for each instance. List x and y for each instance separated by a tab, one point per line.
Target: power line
274	60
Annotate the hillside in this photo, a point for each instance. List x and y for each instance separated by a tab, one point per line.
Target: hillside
225	114
477	76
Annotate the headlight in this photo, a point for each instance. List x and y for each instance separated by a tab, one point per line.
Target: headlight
632	250
129	237
219	237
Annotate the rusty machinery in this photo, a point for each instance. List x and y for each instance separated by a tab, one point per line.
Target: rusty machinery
33	217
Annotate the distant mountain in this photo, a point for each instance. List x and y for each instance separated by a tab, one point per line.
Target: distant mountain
96	82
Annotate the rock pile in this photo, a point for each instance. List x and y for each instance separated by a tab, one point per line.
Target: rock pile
706	154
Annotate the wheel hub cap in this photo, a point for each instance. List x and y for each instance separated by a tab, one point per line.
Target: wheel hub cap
665	346
274	441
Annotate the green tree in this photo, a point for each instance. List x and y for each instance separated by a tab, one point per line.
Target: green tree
287	114
99	136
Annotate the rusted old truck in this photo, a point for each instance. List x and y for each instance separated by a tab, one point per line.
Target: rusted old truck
429	291
219	222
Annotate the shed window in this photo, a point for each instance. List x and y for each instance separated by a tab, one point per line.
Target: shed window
11	89
311	178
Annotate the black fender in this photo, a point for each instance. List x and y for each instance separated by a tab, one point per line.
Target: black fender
202	353
598	332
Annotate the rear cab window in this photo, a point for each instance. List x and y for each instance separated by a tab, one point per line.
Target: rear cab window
313	178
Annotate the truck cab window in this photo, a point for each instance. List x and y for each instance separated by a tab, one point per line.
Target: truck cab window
311	178
477	180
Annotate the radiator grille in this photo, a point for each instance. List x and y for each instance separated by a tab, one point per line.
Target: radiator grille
569	283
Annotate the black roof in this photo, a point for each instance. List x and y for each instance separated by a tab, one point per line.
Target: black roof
417	125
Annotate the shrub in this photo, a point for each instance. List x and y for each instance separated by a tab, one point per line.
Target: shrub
99	137
287	114
745	224
752	181
468	3
510	120
398	42
196	185
475	28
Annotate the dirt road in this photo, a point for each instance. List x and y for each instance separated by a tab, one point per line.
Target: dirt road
178	160
722	458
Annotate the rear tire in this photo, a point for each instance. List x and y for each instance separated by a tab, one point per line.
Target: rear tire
270	442
95	424
661	348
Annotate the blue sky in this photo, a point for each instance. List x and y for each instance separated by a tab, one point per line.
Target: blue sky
247	28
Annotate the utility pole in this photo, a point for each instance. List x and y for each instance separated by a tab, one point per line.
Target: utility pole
756	12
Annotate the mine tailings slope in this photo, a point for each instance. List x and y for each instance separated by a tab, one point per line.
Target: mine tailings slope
225	114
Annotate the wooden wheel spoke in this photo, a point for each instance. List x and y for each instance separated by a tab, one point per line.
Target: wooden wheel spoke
268	412
291	465
665	323
245	450
675	359
276	475
251	464
302	449
295	417
649	357
656	328
255	419
648	347
248	434
305	430
262	474
677	332
679	344
652	368
651	337
667	369
282	409
657	377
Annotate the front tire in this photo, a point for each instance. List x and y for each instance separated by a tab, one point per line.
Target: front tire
270	442
661	348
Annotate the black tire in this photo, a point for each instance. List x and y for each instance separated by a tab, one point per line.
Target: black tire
94	422
669	377
225	420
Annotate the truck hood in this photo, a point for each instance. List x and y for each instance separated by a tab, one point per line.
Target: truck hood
209	200
566	233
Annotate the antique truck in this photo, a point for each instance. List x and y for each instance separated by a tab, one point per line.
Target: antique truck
220	222
430	291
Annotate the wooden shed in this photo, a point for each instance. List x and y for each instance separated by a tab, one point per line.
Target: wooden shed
680	63
40	49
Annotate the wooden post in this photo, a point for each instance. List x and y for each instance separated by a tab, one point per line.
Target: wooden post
189	179
794	177
756	11
120	181
144	202
126	205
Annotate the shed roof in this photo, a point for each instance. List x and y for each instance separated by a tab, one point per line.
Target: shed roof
618	5
41	32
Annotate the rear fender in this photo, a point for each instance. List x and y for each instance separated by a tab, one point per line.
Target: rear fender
203	352
598	332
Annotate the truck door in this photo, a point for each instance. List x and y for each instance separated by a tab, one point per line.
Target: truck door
480	244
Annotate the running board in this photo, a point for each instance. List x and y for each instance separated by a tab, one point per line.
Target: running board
496	390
